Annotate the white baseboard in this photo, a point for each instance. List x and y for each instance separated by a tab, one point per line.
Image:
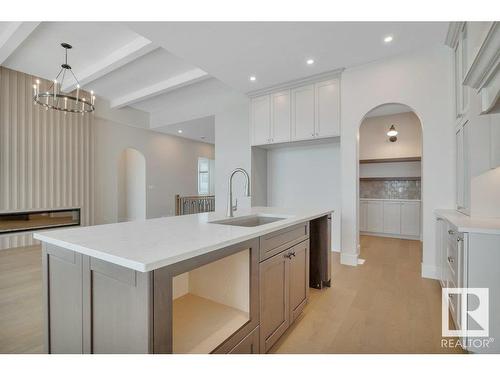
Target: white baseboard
349	259
399	236
430	271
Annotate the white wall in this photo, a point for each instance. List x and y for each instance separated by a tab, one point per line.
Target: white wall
135	184
423	81
374	142
232	150
171	167
306	177
398	169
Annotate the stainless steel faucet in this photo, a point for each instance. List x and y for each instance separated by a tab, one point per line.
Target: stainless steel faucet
230	207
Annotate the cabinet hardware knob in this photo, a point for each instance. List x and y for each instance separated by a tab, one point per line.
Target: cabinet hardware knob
451	260
292	253
451	232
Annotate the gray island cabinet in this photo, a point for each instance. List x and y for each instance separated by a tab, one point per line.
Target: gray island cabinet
238	296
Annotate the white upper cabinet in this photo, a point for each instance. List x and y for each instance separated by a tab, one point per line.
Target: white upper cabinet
280	116
460	57
296	113
260	120
327	108
303	112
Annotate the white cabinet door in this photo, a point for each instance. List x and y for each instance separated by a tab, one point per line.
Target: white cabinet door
280	117
303	112
362	216
410	218
260	114
374	216
462	165
392	217
495	140
327	108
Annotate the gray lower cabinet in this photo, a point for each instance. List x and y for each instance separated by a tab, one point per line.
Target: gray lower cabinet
299	279
249	345
284	290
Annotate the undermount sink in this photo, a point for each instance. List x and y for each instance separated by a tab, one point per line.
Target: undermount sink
248	221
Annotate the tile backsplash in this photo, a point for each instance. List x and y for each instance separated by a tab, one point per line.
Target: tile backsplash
390	189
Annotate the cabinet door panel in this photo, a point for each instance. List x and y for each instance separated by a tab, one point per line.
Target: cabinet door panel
303	112
392	217
374	217
299	278
410	218
274	303
281	119
327	108
495	140
362	216
260	120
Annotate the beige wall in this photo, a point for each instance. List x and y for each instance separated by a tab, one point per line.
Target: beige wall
171	167
374	142
46	157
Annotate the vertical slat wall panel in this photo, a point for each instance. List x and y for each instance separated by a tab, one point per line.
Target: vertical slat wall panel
46	156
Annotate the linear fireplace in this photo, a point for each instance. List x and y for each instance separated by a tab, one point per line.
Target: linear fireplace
24	221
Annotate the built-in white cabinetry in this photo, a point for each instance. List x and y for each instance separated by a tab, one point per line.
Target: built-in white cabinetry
463	168
374	216
390	217
327	119
410	218
297	113
460	62
469	259
303	113
362	215
495	140
280	116
260	118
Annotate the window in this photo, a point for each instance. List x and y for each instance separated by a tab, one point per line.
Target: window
205	176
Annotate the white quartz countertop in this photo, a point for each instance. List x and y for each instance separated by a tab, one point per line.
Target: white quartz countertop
470	224
147	245
389	199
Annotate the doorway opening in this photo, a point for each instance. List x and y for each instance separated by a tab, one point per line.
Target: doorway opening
131	185
390	180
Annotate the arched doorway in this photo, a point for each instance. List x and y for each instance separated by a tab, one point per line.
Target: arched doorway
390	179
131	185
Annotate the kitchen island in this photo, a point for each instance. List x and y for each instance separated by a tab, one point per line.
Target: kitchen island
198	283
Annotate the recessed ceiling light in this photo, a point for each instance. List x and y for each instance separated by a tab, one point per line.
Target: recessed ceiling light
179	131
253	78
388	39
310	61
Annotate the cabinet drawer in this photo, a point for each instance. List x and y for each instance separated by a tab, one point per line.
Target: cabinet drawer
274	243
249	345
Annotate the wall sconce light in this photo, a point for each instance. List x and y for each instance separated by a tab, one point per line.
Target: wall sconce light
392	133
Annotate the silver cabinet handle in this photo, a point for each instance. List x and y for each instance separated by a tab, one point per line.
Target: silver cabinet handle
451	232
289	256
451	260
292	253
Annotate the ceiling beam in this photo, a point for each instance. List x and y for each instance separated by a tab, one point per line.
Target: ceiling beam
138	47
173	83
13	36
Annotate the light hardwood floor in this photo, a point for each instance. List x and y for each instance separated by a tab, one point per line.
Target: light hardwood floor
382	306
21	300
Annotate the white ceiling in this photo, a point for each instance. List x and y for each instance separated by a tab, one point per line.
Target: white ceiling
182	73
276	52
201	129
